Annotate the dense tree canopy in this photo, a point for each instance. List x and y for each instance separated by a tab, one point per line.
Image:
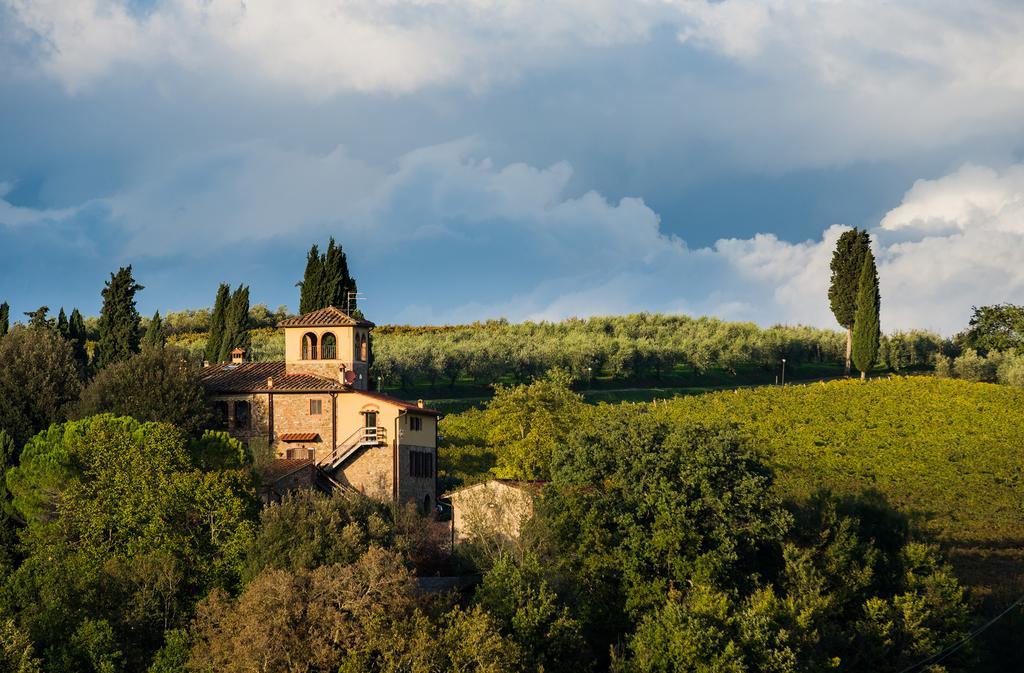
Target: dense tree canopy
995	328
154	385
156	335
236	324
122	535
39	379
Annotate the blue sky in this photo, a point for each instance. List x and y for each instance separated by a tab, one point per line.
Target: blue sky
526	159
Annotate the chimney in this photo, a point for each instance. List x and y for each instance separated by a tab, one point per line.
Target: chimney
419	403
238	356
206	363
270	382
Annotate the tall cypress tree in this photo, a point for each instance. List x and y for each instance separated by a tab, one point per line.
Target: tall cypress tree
156	335
5	318
867	331
312	282
120	322
62	324
236	323
78	337
847	262
220	308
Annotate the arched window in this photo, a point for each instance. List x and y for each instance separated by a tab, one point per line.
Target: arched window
426	504
309	351
329	347
362	348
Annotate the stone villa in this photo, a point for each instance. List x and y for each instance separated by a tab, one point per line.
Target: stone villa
318	416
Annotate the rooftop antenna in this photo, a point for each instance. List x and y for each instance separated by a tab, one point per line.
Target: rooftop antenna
351	300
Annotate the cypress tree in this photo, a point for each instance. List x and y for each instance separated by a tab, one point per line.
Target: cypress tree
312	282
236	323
5	318
867	332
78	337
156	335
327	281
120	322
62	324
220	307
847	262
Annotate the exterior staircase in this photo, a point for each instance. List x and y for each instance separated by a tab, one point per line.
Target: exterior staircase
363	437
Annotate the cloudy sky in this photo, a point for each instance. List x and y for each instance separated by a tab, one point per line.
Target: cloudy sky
533	159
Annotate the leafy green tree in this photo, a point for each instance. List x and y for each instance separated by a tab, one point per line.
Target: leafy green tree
77	336
308	529
122	536
995	328
38	319
529	421
528	610
5	318
847	264
17	655
154	385
637	507
236	323
156	335
39	379
867	331
217	322
119	324
303	621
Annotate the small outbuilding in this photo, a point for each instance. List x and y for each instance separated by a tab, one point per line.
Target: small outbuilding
495	509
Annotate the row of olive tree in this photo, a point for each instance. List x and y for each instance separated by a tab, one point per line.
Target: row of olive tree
641	346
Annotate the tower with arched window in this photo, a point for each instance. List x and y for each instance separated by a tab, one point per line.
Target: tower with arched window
329	343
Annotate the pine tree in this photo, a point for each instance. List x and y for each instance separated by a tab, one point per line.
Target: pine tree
236	323
38	319
5	318
156	335
847	261
62	323
220	308
78	337
867	333
119	324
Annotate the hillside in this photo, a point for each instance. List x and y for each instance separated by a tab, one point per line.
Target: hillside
944	452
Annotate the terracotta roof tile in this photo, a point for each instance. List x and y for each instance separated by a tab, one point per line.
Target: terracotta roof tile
401	404
282	467
325	317
251	377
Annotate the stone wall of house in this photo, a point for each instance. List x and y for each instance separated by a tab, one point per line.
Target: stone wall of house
416	489
291	415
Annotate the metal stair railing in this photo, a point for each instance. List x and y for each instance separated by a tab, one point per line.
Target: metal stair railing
367	436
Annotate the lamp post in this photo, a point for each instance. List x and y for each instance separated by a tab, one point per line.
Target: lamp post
783	371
